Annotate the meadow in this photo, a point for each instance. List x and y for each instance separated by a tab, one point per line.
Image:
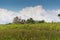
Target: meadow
39	31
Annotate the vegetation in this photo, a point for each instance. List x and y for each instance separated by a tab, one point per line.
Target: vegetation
30	20
30	29
41	21
18	20
59	15
39	31
22	21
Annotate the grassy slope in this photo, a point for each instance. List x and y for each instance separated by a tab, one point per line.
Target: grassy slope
42	31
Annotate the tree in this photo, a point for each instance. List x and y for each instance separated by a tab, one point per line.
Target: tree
15	20
59	15
18	20
22	22
42	21
30	20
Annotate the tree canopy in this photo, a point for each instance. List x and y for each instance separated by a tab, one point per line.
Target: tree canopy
30	20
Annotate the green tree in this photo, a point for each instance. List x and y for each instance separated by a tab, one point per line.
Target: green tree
42	21
30	20
59	15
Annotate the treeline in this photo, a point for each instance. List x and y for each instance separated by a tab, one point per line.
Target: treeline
22	21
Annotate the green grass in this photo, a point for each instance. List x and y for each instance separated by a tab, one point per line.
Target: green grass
41	31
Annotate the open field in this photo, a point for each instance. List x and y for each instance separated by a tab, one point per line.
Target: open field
41	31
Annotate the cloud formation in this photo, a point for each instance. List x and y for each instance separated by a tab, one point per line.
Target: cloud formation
36	12
6	16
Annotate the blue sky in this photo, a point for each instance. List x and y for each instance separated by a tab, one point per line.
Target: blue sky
19	4
38	9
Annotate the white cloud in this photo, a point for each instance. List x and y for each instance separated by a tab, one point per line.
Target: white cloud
52	15
36	12
6	16
39	13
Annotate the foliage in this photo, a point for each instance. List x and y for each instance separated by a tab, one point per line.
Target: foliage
59	15
40	31
16	20
30	20
42	21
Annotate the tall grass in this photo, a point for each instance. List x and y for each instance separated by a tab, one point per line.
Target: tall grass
42	31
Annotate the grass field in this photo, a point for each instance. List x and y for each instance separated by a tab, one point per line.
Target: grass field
41	31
